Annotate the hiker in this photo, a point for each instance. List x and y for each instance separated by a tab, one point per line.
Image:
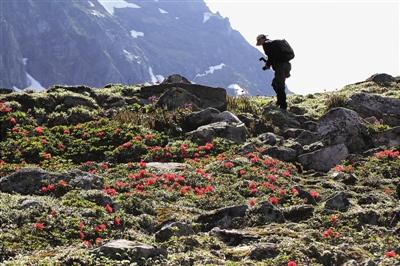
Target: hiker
279	54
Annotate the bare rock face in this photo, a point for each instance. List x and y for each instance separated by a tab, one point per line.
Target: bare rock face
343	126
175	78
367	105
223	217
324	159
173	229
381	79
236	132
125	249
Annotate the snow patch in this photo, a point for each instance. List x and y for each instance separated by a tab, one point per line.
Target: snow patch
91	4
97	14
25	61
110	5
33	83
155	78
211	70
131	57
136	34
238	90
162	11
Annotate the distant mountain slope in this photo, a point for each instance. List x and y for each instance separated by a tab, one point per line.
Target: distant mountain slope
100	42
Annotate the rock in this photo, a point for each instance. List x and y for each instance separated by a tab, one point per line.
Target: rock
29	203
348	179
313	147
343	126
269	138
26	181
297	110
367	216
264	213
97	196
208	96
310	125
338	202
81	89
264	251
292	132
226	116
281	153
280	118
125	249
298	213
167	167
233	237
307	137
175	98
175	78
173	229
222	218
200	118
382	79
232	131
325	158
388	138
367	105
368	199
256	126
83	180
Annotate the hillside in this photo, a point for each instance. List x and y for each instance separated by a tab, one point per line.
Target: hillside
97	42
182	174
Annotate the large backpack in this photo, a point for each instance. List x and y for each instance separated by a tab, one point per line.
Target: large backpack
284	51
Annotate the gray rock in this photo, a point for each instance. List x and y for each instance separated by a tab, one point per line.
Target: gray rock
97	196
292	132
367	105
343	126
338	202
367	216
325	158
382	79
200	118
269	138
348	179
167	167
226	116
175	98
298	213
281	153
175	78
307	137
388	138
125	249
264	213
233	237
280	118
264	251
173	229
310	125
232	131
83	180
29	203
222	218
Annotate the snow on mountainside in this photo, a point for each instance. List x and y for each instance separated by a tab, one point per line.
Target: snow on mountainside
97	42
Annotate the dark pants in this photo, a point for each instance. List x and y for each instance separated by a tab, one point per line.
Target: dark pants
282	71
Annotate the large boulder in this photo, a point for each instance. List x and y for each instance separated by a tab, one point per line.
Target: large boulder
324	159
175	78
222	218
125	249
367	105
200	118
388	138
236	132
343	126
176	97
264	213
382	79
208	96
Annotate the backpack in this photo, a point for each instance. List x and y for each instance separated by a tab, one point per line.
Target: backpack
284	51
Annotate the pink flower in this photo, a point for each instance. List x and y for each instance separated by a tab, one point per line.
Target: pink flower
117	220
390	254
252	202
314	194
13	121
108	208
242	172
39	226
228	165
142	164
291	263
39	130
334	219
99	241
81	235
273	200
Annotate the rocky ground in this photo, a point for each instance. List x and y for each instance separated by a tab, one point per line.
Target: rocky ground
180	174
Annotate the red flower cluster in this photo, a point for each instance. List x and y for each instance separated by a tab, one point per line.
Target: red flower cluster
291	263
343	168
38	130
39	226
330	233
4	108
390	254
314	194
390	154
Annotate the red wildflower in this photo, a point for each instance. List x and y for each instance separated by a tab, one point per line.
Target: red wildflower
81	235
142	164
51	187
117	131
87	243
149	136
339	168
228	165
390	254
100	134
46	156
53	213
43	189
39	130
61	146
108	208
138	138
39	226
273	200
126	145
314	194
209	146
66	131
110	191
242	172
334	219
286	173
99	241
62	183
272	178
391	154
185	189
295	191
104	166
282	192
117	220
13	121
81	225
252	202
291	263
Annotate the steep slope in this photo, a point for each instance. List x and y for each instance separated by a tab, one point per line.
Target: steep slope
100	42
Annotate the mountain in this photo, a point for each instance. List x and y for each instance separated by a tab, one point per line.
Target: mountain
98	42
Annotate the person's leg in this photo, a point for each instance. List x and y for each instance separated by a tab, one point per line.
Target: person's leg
278	83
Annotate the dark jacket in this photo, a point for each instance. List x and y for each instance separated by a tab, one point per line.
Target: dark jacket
271	49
